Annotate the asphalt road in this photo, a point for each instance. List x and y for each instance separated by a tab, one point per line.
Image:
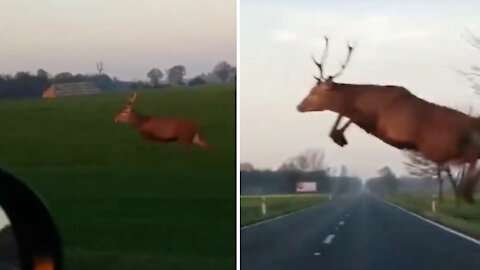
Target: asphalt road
359	232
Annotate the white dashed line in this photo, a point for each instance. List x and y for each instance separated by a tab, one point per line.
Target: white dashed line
341	223
317	254
329	239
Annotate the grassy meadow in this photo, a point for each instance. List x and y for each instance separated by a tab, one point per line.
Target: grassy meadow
276	205
121	202
464	218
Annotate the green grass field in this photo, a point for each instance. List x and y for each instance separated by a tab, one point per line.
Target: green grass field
124	203
464	218
251	209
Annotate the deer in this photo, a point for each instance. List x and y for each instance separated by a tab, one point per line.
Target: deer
161	129
399	118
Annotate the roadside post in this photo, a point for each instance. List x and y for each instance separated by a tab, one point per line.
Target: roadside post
434	202
264	206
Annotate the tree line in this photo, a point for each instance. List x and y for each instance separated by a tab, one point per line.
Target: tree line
25	84
309	166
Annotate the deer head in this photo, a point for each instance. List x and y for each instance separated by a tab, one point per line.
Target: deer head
323	95
127	115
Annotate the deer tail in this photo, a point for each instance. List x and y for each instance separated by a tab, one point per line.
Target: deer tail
198	141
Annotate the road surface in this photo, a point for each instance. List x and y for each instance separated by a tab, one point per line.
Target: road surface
359	232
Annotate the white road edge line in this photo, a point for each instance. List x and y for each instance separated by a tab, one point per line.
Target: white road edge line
329	239
436	224
277	217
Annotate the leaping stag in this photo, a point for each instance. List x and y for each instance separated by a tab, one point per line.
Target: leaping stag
399	118
161	129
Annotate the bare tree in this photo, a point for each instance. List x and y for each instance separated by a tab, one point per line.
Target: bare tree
419	166
473	73
100	67
308	161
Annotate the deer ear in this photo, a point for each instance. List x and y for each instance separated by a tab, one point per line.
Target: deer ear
329	83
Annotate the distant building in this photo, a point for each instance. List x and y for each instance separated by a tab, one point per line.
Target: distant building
70	89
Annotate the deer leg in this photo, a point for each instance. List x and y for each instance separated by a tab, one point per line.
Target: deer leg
467	187
338	134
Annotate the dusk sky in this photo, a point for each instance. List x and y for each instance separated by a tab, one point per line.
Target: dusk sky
415	44
130	36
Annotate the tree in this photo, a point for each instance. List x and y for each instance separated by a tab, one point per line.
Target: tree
100	67
308	161
175	75
155	75
473	74
197	81
222	70
389	180
102	81
21	75
294	168
417	165
42	73
63	77
246	167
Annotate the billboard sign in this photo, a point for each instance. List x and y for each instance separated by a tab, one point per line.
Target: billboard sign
306	187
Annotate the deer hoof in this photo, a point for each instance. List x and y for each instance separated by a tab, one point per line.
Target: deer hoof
338	138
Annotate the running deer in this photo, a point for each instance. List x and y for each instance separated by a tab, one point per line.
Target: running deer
399	118
161	129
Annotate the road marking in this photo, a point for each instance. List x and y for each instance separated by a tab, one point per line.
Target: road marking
341	223
317	254
329	239
435	224
347	215
277	217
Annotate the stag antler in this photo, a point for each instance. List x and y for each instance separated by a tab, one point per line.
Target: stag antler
320	65
133	98
350	49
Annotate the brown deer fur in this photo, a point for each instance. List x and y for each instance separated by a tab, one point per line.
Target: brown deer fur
400	119
161	129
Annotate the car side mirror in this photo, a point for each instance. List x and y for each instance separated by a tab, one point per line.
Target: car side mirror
29	239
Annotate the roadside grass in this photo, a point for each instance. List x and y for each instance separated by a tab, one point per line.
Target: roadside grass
464	218
276	205
121	202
